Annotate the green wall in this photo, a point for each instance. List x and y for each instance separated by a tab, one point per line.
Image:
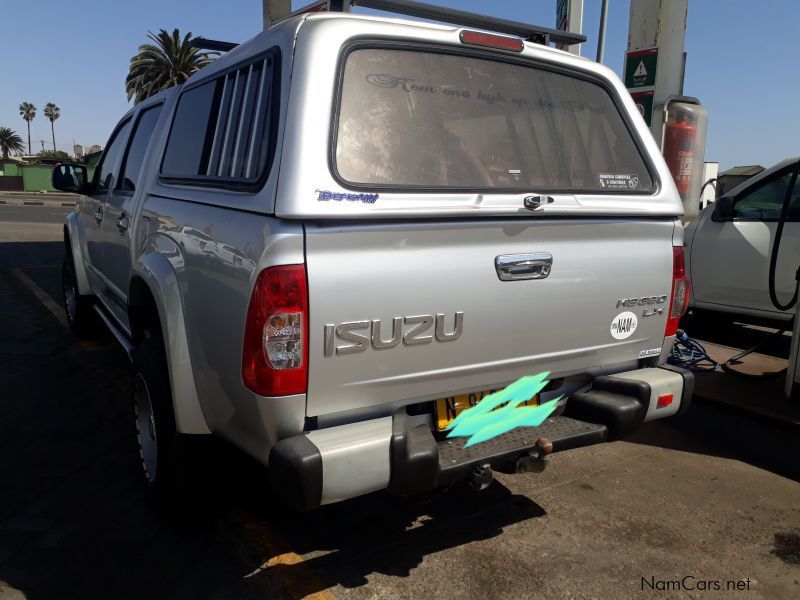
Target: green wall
36	178
10	169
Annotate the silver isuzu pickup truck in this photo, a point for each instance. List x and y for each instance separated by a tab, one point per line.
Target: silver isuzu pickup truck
348	230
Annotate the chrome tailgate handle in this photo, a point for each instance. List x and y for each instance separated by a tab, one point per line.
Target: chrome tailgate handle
511	267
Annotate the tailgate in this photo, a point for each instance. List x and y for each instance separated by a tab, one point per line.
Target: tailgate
384	299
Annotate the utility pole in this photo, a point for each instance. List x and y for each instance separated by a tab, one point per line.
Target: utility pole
601	36
655	59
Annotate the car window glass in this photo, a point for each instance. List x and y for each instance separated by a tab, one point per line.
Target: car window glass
763	202
435	120
188	136
793	212
103	175
225	129
132	165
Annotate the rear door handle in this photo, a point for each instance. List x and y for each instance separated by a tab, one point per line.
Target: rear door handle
122	223
511	267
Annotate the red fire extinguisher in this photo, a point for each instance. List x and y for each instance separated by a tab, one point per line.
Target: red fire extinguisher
680	141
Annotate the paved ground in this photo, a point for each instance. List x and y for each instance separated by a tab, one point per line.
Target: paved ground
610	521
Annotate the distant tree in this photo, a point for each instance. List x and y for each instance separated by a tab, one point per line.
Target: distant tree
52	112
10	142
60	154
168	62
28	112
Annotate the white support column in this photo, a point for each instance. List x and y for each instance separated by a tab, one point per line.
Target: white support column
569	17
275	10
661	25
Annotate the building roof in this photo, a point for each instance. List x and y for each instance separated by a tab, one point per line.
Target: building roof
743	171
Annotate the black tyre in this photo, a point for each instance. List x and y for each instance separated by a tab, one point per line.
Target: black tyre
166	456
80	315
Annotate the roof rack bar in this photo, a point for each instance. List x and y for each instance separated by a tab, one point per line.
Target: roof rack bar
213	45
535	33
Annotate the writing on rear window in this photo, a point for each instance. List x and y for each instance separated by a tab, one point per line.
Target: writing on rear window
429	120
618	181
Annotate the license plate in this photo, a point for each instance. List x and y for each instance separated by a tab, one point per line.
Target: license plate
449	408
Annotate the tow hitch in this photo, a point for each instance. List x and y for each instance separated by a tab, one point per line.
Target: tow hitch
534	461
481	477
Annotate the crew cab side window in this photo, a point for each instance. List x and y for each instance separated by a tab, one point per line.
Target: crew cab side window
104	175
224	130
765	201
134	159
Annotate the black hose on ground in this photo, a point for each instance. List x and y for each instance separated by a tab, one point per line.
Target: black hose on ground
691	354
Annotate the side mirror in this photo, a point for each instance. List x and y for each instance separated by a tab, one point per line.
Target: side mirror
723	209
70	178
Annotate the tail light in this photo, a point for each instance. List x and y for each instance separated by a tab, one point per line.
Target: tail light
275	353
679	301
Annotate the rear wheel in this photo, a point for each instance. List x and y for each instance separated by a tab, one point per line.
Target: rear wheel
80	316
165	457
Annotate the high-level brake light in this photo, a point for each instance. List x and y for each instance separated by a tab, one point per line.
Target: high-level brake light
490	40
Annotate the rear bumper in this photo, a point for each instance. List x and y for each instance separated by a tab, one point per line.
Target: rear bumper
394	453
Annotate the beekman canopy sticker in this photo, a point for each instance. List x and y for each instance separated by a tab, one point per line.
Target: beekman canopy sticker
618	181
623	325
325	196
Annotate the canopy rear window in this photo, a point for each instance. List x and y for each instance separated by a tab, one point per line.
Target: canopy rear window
413	119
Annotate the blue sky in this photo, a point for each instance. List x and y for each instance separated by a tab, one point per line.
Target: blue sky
742	61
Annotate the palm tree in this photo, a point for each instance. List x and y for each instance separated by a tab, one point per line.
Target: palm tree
10	142
52	112
27	111
171	61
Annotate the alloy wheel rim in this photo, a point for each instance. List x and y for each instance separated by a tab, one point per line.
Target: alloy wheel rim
70	294
145	428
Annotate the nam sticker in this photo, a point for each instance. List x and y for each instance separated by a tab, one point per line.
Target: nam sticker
623	325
